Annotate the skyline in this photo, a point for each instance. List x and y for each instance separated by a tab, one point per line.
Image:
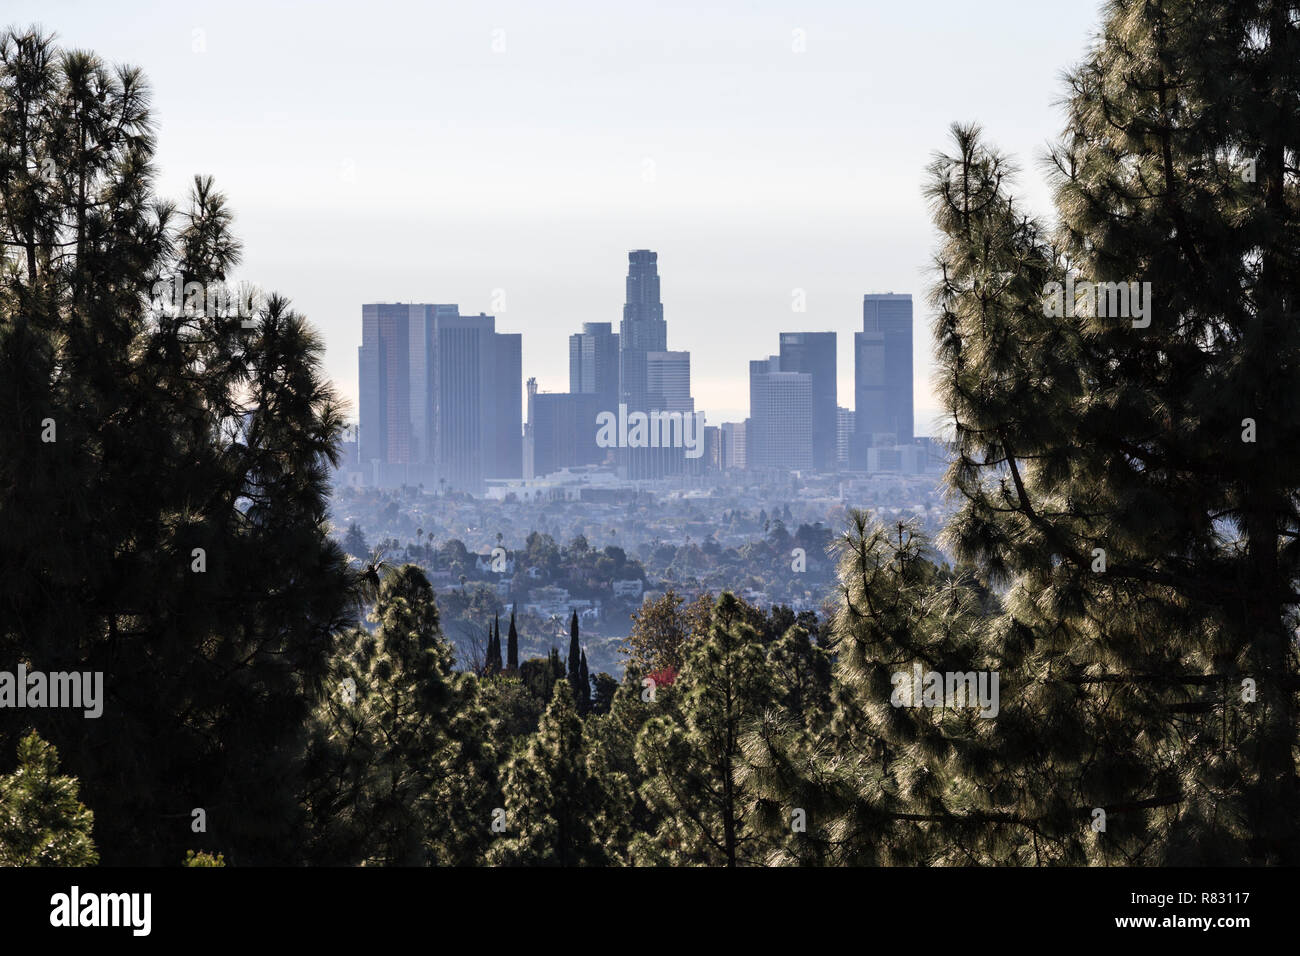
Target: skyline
440	396
429	167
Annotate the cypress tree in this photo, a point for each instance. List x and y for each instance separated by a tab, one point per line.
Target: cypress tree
584	687
492	663
512	645
575	661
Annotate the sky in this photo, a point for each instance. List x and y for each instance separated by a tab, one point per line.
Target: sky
506	156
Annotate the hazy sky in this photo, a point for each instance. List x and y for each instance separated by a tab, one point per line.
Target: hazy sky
510	154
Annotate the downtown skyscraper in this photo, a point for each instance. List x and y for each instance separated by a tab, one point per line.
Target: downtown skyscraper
643	329
594	363
882	363
813	353
651	378
440	397
779	433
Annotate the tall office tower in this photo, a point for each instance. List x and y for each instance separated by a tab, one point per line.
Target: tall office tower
479	397
780	425
668	381
593	363
814	353
395	390
843	436
385	384
882	354
643	346
505	423
440	396
643	329
561	431
732	452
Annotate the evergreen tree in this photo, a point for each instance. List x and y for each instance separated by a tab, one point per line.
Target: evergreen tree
584	687
802	674
42	821
562	807
1130	474
163	476
354	542
402	771
575	664
614	735
689	757
538	675
883	780
603	688
512	645
492	662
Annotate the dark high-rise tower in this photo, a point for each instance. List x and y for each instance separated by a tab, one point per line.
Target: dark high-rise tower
395	385
814	354
440	396
882	354
479	396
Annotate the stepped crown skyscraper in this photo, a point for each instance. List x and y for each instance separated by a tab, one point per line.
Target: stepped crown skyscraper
643	329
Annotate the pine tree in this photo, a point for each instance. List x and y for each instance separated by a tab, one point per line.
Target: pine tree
1123	393
613	736
689	757
402	771
883	782
563	808
163	476
603	689
354	541
42	821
